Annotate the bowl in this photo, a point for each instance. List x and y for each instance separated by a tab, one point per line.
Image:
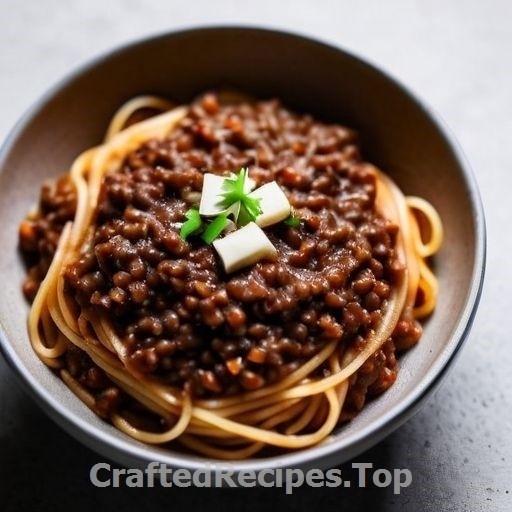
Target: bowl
398	132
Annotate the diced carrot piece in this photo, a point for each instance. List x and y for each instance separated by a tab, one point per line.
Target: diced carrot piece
257	355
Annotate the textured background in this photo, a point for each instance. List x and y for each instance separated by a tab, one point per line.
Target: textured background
456	56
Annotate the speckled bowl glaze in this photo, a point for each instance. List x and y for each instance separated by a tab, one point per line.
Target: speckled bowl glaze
398	132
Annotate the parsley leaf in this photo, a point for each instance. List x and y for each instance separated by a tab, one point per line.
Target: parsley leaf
292	221
235	193
234	188
192	224
215	228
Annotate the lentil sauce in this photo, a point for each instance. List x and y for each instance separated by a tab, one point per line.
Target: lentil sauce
180	317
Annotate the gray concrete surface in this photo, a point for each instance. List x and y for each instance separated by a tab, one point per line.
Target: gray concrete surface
457	56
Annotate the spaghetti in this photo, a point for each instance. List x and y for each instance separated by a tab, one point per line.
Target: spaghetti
257	359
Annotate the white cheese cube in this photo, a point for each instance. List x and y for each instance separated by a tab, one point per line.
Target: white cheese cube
244	247
273	203
211	195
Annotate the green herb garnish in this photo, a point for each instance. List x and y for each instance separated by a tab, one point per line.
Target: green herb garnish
215	228
292	221
235	193
192	225
230	197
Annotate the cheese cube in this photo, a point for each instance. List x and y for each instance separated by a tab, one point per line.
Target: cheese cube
211	195
244	247
273	203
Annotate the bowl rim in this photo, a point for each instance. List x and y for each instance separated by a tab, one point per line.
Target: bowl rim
351	445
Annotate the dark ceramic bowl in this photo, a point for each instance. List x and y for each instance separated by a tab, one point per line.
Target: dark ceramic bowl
399	134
